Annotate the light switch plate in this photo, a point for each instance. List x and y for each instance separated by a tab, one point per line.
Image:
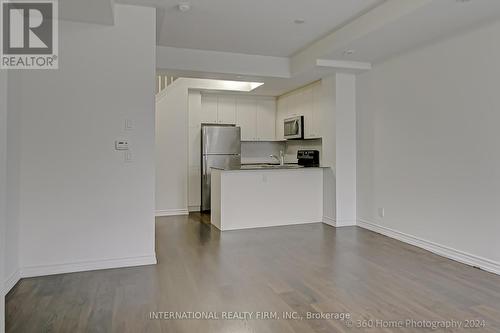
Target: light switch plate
129	125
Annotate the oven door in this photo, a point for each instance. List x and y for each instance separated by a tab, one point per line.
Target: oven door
293	128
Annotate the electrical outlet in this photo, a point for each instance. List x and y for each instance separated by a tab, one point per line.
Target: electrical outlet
381	212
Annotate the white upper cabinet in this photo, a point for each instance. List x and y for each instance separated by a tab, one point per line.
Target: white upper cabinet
226	111
281	114
293	104
255	115
246	118
266	120
208	109
304	102
306	108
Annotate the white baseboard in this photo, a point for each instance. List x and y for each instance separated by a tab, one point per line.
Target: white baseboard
330	221
194	209
444	251
346	223
41	270
172	212
11	281
268	224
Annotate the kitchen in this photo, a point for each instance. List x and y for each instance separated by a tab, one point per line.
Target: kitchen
270	133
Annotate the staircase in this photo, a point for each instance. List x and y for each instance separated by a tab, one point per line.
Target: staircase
162	81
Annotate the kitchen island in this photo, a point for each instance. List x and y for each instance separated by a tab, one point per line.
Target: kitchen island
264	196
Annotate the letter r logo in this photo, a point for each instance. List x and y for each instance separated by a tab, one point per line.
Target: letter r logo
27	27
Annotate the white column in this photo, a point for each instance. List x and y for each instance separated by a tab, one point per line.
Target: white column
345	167
328	104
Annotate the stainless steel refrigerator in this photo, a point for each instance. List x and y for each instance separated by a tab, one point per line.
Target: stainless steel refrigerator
220	147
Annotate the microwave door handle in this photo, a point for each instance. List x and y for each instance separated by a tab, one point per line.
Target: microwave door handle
288	127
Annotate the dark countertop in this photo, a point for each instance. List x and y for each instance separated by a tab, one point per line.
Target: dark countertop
286	166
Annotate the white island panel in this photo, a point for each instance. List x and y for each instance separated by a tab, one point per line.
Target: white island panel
263	198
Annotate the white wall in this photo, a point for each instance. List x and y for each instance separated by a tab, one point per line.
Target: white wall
259	152
345	143
81	205
9	190
12	262
172	150
3	190
428	147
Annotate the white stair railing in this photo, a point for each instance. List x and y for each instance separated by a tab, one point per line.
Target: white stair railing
163	81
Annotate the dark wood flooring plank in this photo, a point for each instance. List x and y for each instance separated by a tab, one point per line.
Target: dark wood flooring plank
300	268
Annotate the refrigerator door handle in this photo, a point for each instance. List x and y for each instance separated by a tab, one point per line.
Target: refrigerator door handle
205	166
203	179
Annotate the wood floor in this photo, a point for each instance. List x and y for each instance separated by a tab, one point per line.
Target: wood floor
303	268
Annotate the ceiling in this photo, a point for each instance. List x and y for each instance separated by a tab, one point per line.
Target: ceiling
88	11
258	40
435	21
261	27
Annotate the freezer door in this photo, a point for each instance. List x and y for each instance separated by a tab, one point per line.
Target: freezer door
221	140
209	161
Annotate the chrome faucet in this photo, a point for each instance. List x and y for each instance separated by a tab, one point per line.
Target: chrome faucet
280	159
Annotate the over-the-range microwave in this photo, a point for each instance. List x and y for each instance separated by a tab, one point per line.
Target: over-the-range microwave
293	128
